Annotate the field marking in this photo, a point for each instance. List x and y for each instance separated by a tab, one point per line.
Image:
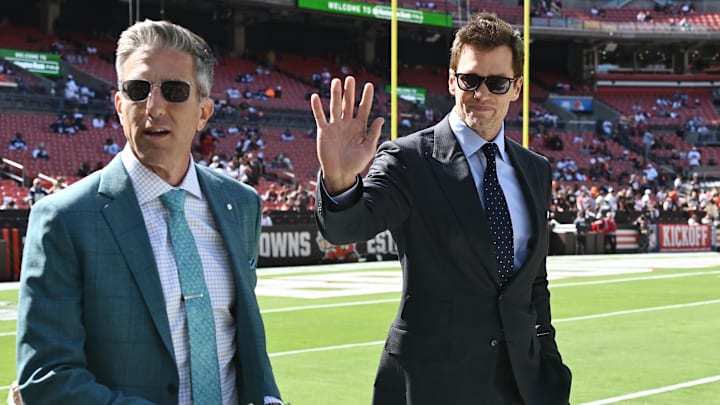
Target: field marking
8	334
390	300
620	280
578	318
323	306
636	311
654	391
326	348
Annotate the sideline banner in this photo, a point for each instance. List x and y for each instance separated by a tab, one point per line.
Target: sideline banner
294	245
685	238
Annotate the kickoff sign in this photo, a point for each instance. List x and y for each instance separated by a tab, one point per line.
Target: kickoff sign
685	238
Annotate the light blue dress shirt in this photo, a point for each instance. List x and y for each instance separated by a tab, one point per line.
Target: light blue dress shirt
471	144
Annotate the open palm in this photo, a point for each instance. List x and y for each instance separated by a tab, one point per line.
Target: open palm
345	145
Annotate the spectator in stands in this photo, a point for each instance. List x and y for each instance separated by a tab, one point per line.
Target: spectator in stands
597	12
98	121
36	192
110	147
17	142
9	203
607	128
217	164
413	188
694	158
270	195
40	152
286	135
72	90
282	161
84	169
77	119
266	220
59	184
233	93
648	142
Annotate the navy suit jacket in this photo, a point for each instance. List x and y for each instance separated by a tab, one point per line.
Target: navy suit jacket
443	345
92	323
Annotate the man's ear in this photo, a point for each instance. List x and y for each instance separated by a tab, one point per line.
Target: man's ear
207	107
118	106
451	82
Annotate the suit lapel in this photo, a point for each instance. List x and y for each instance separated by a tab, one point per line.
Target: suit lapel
530	182
226	214
123	216
453	174
232	225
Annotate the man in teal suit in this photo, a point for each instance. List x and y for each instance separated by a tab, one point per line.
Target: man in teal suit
101	317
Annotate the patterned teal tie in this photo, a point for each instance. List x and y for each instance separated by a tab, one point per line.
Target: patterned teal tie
205	374
498	215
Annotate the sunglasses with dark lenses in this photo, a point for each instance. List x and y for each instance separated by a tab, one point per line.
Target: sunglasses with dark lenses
174	91
496	84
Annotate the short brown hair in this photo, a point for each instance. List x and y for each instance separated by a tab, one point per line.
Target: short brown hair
486	31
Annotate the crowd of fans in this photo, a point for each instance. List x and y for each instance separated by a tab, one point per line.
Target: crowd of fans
640	189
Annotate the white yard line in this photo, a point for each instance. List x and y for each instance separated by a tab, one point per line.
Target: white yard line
323	306
389	300
655	391
622	280
636	311
326	348
561	320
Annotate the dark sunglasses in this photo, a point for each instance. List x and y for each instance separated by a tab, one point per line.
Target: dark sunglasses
174	91
496	84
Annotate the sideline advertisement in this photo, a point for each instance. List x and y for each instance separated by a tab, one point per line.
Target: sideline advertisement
292	245
685	238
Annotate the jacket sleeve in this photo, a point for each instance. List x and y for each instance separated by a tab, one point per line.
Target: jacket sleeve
51	362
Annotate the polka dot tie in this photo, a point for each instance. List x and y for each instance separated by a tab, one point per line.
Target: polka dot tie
204	371
496	209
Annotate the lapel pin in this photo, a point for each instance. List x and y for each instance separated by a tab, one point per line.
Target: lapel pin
229	207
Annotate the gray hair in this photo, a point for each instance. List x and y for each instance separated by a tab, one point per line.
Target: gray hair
164	34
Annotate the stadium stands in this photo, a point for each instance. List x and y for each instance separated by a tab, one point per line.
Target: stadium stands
293	73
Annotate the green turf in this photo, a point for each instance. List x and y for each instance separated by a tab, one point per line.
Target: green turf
620	334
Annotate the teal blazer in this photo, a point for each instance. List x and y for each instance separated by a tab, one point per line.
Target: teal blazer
92	323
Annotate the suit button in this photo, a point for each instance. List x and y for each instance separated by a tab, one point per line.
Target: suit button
172	389
493	343
500	297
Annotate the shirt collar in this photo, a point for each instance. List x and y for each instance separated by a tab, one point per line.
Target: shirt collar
148	185
470	142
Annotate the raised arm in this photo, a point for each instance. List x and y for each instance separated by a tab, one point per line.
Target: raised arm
345	145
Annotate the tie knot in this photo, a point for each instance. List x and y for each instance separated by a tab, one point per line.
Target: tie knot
490	149
174	200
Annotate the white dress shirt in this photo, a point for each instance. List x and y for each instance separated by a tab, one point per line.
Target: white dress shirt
216	265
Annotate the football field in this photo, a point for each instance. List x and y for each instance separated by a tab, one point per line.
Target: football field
634	329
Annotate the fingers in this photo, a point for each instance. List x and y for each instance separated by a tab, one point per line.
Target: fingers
375	130
366	101
349	98
317	110
335	100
